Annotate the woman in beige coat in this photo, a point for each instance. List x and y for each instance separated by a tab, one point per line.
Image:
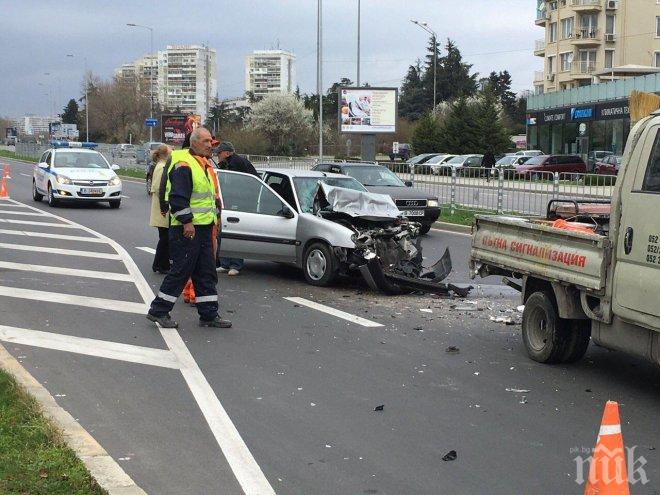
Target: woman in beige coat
157	219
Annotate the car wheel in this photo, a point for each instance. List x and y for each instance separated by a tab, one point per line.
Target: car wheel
578	340
424	229
114	204
35	194
545	334
52	202
319	264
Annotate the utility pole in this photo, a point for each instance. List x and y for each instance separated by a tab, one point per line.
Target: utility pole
70	55
358	45
152	58
319	71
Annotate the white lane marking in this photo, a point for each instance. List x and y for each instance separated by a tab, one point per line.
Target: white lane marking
66	252
25	175
334	312
74	300
245	468
58	270
124	196
452	232
25	213
7	204
42	224
146	249
90	347
30	233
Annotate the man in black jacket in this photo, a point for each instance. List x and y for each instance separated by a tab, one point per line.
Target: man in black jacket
229	160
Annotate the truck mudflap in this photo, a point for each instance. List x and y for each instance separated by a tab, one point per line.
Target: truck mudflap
389	282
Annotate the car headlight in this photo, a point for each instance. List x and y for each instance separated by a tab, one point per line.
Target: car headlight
63	180
115	181
433	203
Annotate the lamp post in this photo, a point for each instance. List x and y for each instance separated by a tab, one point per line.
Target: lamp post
86	98
358	45
151	75
426	28
319	72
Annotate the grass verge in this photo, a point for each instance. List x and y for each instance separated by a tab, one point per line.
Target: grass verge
11	154
131	172
461	217
33	457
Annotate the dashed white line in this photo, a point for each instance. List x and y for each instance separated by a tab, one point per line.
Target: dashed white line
334	312
25	213
146	249
74	300
42	224
65	252
29	233
89	347
71	272
124	196
25	175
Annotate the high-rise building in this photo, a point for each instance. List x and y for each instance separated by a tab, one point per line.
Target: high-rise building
270	72
34	125
183	77
588	41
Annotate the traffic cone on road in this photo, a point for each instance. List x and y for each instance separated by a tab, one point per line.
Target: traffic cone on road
607	474
4	190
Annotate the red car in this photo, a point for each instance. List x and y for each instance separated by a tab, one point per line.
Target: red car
609	165
537	166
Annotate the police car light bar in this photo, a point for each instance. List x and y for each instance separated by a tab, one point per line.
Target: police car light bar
72	144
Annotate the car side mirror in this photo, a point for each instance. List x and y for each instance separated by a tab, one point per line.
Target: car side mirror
286	212
114	166
43	165
408	183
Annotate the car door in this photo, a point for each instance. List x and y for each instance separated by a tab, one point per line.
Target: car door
637	270
41	178
256	222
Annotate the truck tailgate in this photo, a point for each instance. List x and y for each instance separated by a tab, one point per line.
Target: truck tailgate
529	248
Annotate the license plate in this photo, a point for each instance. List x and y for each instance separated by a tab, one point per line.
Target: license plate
91	190
412	213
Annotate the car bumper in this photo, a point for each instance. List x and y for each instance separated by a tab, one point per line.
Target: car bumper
75	193
431	214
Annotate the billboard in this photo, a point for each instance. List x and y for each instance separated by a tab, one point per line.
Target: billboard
368	110
174	127
61	131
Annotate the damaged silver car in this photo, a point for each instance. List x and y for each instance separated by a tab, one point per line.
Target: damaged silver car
327	225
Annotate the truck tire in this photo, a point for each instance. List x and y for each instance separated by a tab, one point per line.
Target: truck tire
545	334
578	340
319	264
424	229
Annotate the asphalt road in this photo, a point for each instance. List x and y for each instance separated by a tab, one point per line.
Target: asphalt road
300	385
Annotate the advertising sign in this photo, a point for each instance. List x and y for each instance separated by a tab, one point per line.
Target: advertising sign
613	110
368	110
175	127
11	132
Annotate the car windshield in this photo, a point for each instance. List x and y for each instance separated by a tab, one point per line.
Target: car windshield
437	159
536	160
507	160
618	159
371	175
457	160
80	160
306	188
419	158
601	154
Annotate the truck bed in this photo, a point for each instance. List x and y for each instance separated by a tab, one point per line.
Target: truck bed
527	246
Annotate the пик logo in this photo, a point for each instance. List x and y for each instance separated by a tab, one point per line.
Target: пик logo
581	113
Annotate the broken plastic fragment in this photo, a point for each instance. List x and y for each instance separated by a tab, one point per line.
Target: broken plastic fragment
450	456
379	408
452	349
517	390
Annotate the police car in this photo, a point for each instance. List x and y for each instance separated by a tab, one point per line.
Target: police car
75	172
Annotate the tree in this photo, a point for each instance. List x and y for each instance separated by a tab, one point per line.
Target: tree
491	135
500	85
457	133
454	78
70	112
283	120
412	101
426	137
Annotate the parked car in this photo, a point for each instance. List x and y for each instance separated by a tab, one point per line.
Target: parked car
460	162
596	156
415	204
529	153
609	165
327	225
124	151
415	161
507	164
404	152
438	163
538	166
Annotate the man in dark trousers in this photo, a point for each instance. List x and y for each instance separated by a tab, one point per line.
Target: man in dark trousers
229	160
488	162
194	212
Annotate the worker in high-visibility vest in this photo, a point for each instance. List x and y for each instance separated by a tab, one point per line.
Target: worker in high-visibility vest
194	208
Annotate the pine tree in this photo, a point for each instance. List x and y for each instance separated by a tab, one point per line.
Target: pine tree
491	135
454	78
426	136
458	134
500	85
70	112
412	104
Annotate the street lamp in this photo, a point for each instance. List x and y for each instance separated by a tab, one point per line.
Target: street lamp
319	71
426	28
86	98
358	45
151	74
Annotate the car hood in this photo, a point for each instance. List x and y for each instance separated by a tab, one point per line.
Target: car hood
400	192
354	203
86	173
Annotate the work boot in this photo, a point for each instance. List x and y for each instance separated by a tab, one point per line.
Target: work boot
233	272
216	322
164	321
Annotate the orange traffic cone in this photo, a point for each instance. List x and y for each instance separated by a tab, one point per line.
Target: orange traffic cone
607	474
4	190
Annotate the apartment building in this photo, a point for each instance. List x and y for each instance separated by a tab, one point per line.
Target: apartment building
270	71
183	77
589	41
34	125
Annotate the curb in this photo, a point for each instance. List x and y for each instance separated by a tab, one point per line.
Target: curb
452	227
103	468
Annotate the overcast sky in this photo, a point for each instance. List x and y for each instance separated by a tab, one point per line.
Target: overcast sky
35	37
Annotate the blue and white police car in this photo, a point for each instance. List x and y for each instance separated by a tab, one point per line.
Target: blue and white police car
71	171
